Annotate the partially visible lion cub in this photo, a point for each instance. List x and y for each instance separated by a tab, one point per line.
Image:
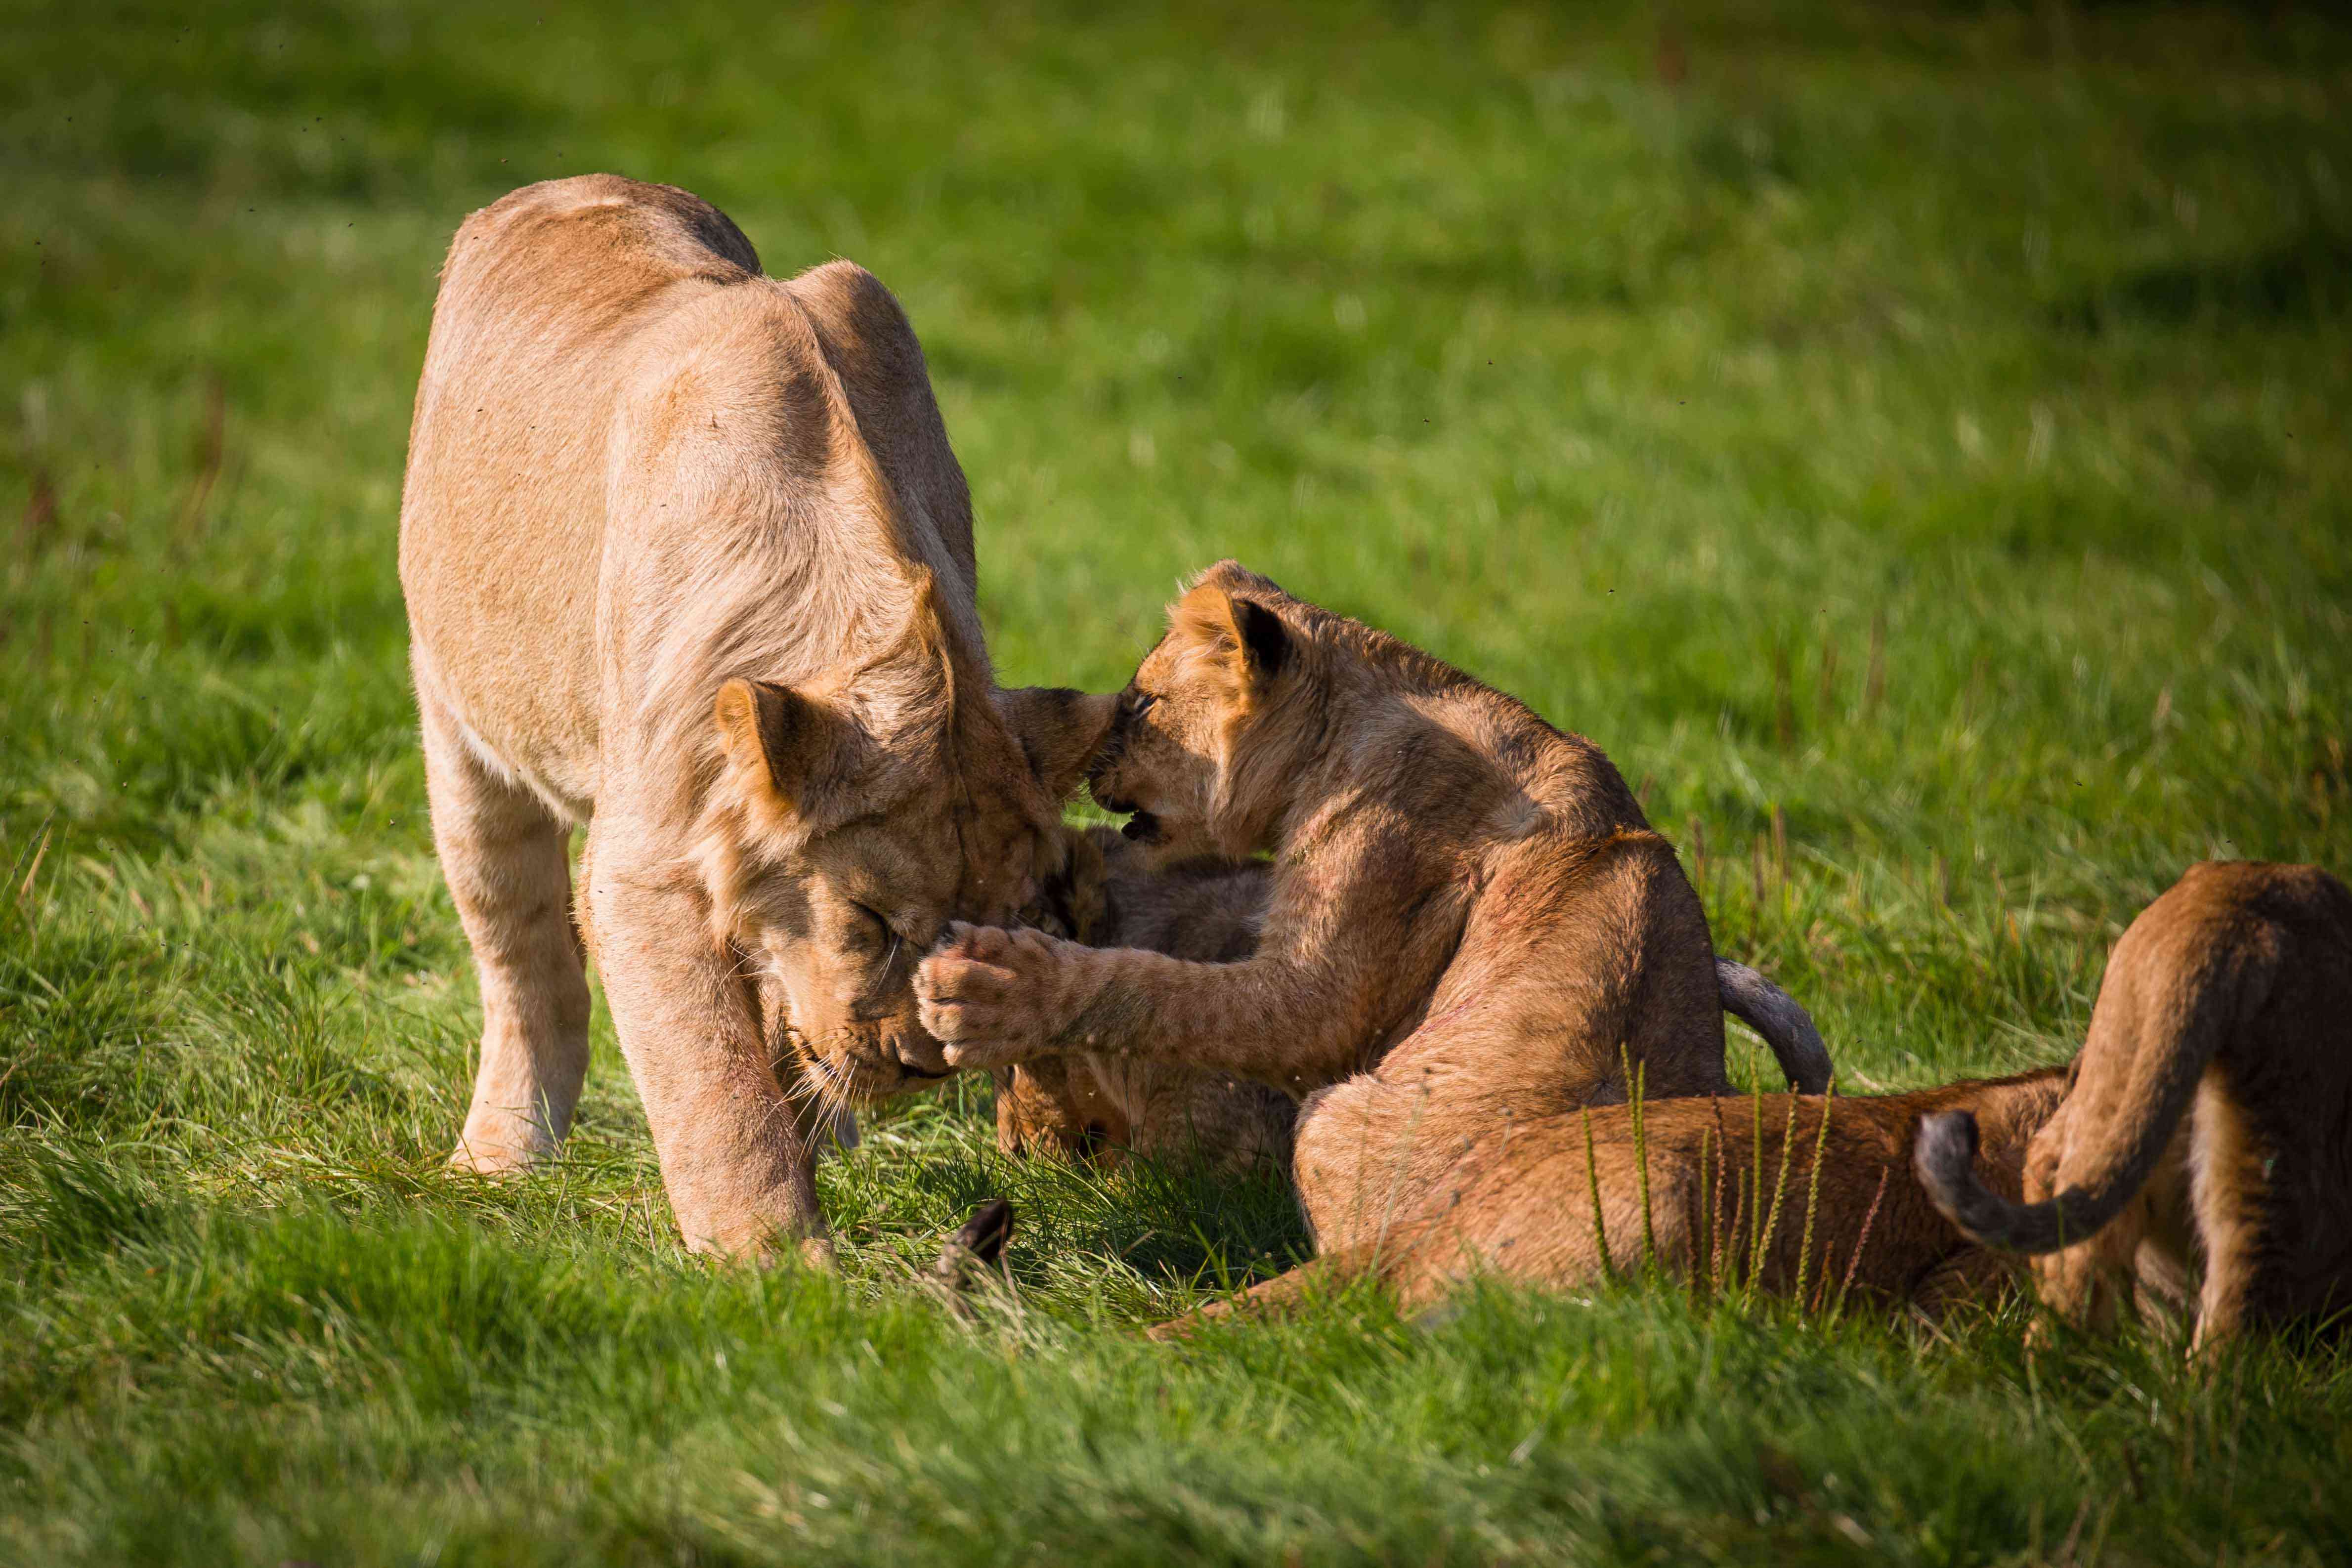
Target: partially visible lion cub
1099	1107
1471	924
2209	1115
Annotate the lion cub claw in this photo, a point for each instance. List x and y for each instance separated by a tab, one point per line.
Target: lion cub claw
993	996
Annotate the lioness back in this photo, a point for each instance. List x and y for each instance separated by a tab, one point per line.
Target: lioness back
501	579
612	350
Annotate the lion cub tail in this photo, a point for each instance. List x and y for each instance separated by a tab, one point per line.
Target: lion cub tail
1944	1155
1786	1027
2193	970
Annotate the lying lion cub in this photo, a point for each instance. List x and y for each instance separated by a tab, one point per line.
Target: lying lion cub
1470	922
1719	1192
1208	910
2209	1112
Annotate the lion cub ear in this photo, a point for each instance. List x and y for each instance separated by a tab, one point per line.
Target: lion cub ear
1071	900
1248	637
794	749
1060	730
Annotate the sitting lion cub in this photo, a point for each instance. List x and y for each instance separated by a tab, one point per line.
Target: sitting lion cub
2210	1113
1470	922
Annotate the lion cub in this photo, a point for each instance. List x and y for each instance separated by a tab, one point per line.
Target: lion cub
1719	1193
1097	1107
1470	922
2209	1115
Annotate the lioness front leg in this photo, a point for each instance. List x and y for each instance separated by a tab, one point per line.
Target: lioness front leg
503	856
739	1171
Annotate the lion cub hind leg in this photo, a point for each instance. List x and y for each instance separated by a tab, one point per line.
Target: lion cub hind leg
503	856
1279	1296
2226	1190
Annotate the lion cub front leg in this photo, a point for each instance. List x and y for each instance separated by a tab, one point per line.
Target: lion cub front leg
992	997
996	997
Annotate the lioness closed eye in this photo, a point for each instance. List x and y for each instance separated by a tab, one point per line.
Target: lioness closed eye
1470	922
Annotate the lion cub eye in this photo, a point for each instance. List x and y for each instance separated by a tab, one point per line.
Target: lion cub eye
1139	704
881	927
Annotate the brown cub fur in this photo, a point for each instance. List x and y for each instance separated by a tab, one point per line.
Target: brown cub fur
1571	1199
1207	910
685	551
1470	920
2209	1115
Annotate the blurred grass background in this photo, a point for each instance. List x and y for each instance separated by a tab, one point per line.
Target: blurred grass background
1910	439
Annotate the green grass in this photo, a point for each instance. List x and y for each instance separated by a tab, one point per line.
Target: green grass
1913	443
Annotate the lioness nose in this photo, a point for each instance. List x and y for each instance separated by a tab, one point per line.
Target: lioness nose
920	1057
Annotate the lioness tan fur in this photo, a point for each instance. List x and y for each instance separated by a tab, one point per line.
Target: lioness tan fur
1470	923
1718	1192
1099	1107
2208	1118
686	552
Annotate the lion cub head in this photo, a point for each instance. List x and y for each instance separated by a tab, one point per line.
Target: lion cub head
1210	734
852	818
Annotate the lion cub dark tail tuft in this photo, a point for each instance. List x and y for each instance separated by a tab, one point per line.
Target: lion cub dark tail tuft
1944	1155
1786	1027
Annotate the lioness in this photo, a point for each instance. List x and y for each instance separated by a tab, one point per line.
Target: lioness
685	551
1207	910
1721	1193
2208	1117
1471	924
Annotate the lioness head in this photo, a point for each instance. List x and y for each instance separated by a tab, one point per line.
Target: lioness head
1218	717
853	817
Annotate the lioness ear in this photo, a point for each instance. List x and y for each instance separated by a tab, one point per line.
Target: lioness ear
1247	634
1060	730
796	748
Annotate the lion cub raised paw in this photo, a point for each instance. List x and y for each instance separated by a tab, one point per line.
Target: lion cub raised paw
1099	1107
